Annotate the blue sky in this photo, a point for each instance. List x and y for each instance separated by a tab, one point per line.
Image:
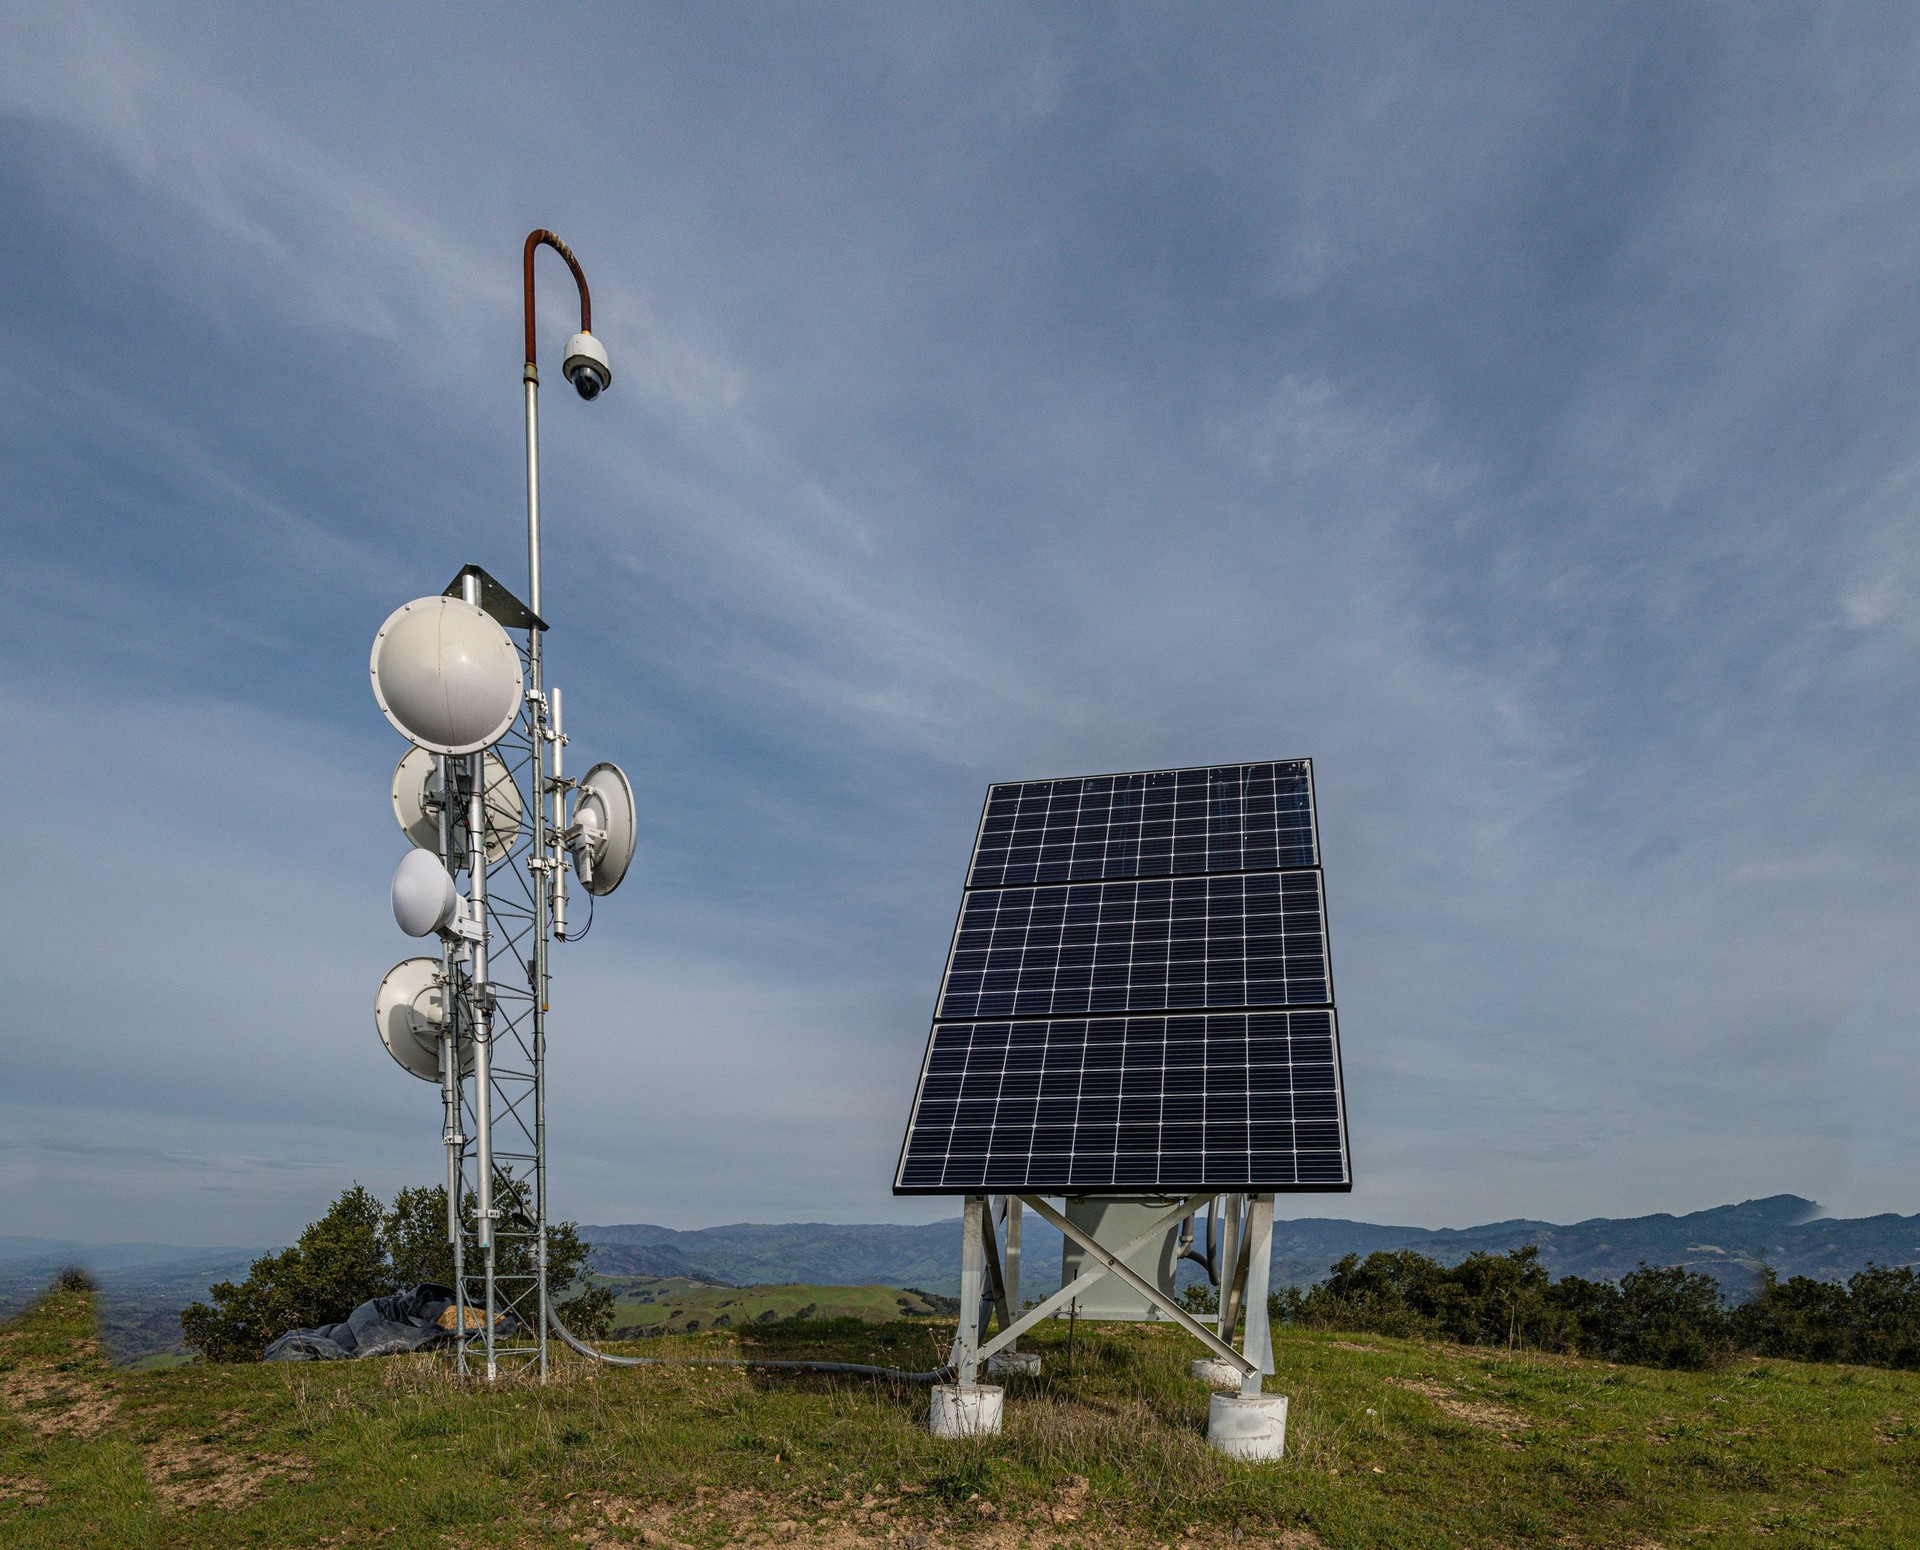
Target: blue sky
1513	409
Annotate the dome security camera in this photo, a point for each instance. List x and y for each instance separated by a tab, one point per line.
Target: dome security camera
586	365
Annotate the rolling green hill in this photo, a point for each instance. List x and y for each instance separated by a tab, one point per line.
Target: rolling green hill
678	1305
1392	1445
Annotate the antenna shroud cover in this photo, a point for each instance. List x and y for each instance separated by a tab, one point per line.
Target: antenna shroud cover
446	675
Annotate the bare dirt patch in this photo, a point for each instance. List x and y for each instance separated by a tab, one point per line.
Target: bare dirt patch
1070	1502
1475	1412
186	1475
55	1398
22	1491
870	1523
53	1403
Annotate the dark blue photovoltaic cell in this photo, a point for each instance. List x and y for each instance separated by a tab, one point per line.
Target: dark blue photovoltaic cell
1138	999
1181	942
1165	823
1174	1104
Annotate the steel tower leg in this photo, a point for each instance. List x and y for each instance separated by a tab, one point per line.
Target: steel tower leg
479	991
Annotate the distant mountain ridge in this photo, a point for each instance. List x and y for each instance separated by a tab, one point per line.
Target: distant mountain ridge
146	1284
1730	1243
761	1254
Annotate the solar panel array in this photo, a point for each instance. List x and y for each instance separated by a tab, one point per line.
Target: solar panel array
1137	1000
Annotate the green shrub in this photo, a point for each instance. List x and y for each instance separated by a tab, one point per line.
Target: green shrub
1199	1297
1657	1316
414	1230
337	1264
1500	1299
1389	1293
1884	1316
1672	1317
1487	1299
360	1250
1801	1319
1592	1314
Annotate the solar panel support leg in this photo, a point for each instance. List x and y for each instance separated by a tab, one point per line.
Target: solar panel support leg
1234	1296
1114	1265
994	1298
1259	1342
1010	1270
1228	1263
1069	1294
973	1264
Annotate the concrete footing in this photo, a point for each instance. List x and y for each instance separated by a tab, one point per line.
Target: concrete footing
1025	1364
1248	1426
1217	1373
967	1409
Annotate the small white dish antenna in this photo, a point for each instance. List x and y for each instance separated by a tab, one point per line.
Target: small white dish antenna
410	1010
608	826
446	675
424	898
416	777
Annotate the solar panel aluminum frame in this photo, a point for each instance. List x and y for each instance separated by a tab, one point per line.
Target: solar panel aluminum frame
1058	1183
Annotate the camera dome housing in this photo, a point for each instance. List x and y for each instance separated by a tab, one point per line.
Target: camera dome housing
586	366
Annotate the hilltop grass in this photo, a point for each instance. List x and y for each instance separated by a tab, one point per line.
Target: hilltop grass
1391	1444
649	1305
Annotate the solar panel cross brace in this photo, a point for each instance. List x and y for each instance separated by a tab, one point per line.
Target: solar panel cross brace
1138	998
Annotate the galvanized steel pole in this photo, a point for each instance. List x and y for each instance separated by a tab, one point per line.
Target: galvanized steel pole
544	730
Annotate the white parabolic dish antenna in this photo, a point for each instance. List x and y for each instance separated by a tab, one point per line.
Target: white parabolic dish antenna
410	1011
424	898
446	675
605	812
415	774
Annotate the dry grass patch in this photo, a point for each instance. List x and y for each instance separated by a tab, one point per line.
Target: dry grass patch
872	1521
56	1394
54	1402
22	1491
189	1475
1474	1412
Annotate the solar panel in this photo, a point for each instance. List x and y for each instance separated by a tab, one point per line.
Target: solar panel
1240	818
1138	998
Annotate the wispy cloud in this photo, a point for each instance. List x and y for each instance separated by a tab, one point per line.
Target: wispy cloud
1514	415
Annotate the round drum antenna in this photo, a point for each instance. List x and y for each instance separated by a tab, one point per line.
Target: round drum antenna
424	898
446	675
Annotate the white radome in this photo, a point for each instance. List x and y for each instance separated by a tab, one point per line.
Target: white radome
424	898
446	675
414	778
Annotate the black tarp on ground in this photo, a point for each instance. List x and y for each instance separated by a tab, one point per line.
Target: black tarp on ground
406	1321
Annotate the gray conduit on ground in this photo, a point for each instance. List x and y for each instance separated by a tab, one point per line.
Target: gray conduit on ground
892	1374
